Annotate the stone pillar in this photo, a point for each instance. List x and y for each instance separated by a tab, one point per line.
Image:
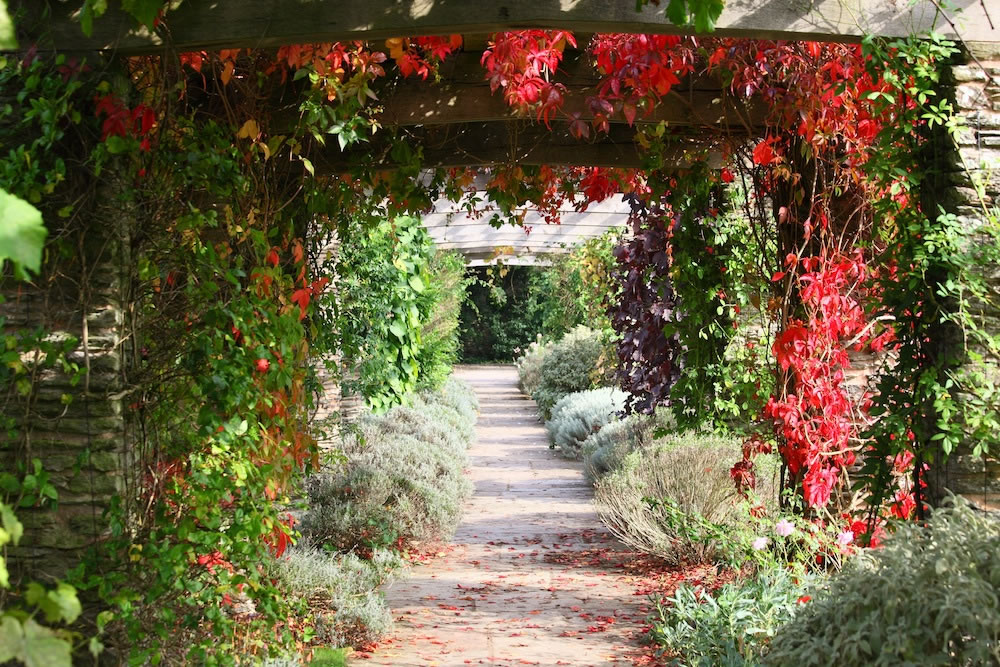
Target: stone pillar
328	419
75	430
977	99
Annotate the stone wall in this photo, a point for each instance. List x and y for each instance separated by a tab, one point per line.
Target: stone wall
977	98
76	431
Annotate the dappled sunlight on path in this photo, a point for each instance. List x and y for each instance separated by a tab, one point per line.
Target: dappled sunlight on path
532	577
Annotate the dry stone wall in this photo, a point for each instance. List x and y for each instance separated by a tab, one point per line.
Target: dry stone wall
977	98
75	429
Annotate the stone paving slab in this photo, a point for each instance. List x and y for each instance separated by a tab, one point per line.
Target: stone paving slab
531	577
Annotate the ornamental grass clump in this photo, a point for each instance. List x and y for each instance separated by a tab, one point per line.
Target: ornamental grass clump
929	596
581	414
675	499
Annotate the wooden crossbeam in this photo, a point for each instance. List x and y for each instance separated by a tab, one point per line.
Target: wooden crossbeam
219	24
414	103
521	142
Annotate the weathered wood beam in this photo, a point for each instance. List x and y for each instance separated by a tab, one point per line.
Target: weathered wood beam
537	248
421	103
218	24
517	142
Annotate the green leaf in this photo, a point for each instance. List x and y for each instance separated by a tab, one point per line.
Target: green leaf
8	39
677	12
22	235
116	145
398	329
144	11
32	644
11	636
10	524
417	284
42	648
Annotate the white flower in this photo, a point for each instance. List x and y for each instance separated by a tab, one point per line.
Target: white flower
845	538
760	543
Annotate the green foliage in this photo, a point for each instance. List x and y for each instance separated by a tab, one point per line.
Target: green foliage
717	276
8	39
403	476
731	626
509	307
579	415
501	315
576	287
143	11
701	14
576	363
22	235
446	290
927	597
382	306
941	384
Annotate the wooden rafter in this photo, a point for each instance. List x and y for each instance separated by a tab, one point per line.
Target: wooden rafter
263	23
507	142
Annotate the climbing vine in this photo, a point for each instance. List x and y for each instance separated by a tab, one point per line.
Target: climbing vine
820	240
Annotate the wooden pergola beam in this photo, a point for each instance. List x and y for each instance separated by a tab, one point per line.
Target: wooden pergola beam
219	24
420	103
510	142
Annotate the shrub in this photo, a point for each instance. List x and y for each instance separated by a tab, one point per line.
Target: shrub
402	479
573	364
688	474
581	414
606	449
529	365
928	597
731	626
341	590
458	395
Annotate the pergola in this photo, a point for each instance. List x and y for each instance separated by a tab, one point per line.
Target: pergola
454	229
459	122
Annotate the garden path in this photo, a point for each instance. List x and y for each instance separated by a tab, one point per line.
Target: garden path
531	577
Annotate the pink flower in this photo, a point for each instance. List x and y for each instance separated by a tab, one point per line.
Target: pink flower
760	543
784	528
845	538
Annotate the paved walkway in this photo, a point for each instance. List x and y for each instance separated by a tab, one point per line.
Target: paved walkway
532	577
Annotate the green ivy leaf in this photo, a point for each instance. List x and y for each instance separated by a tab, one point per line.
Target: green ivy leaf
22	235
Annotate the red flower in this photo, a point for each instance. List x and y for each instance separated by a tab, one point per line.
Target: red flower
263	365
804	598
727	176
